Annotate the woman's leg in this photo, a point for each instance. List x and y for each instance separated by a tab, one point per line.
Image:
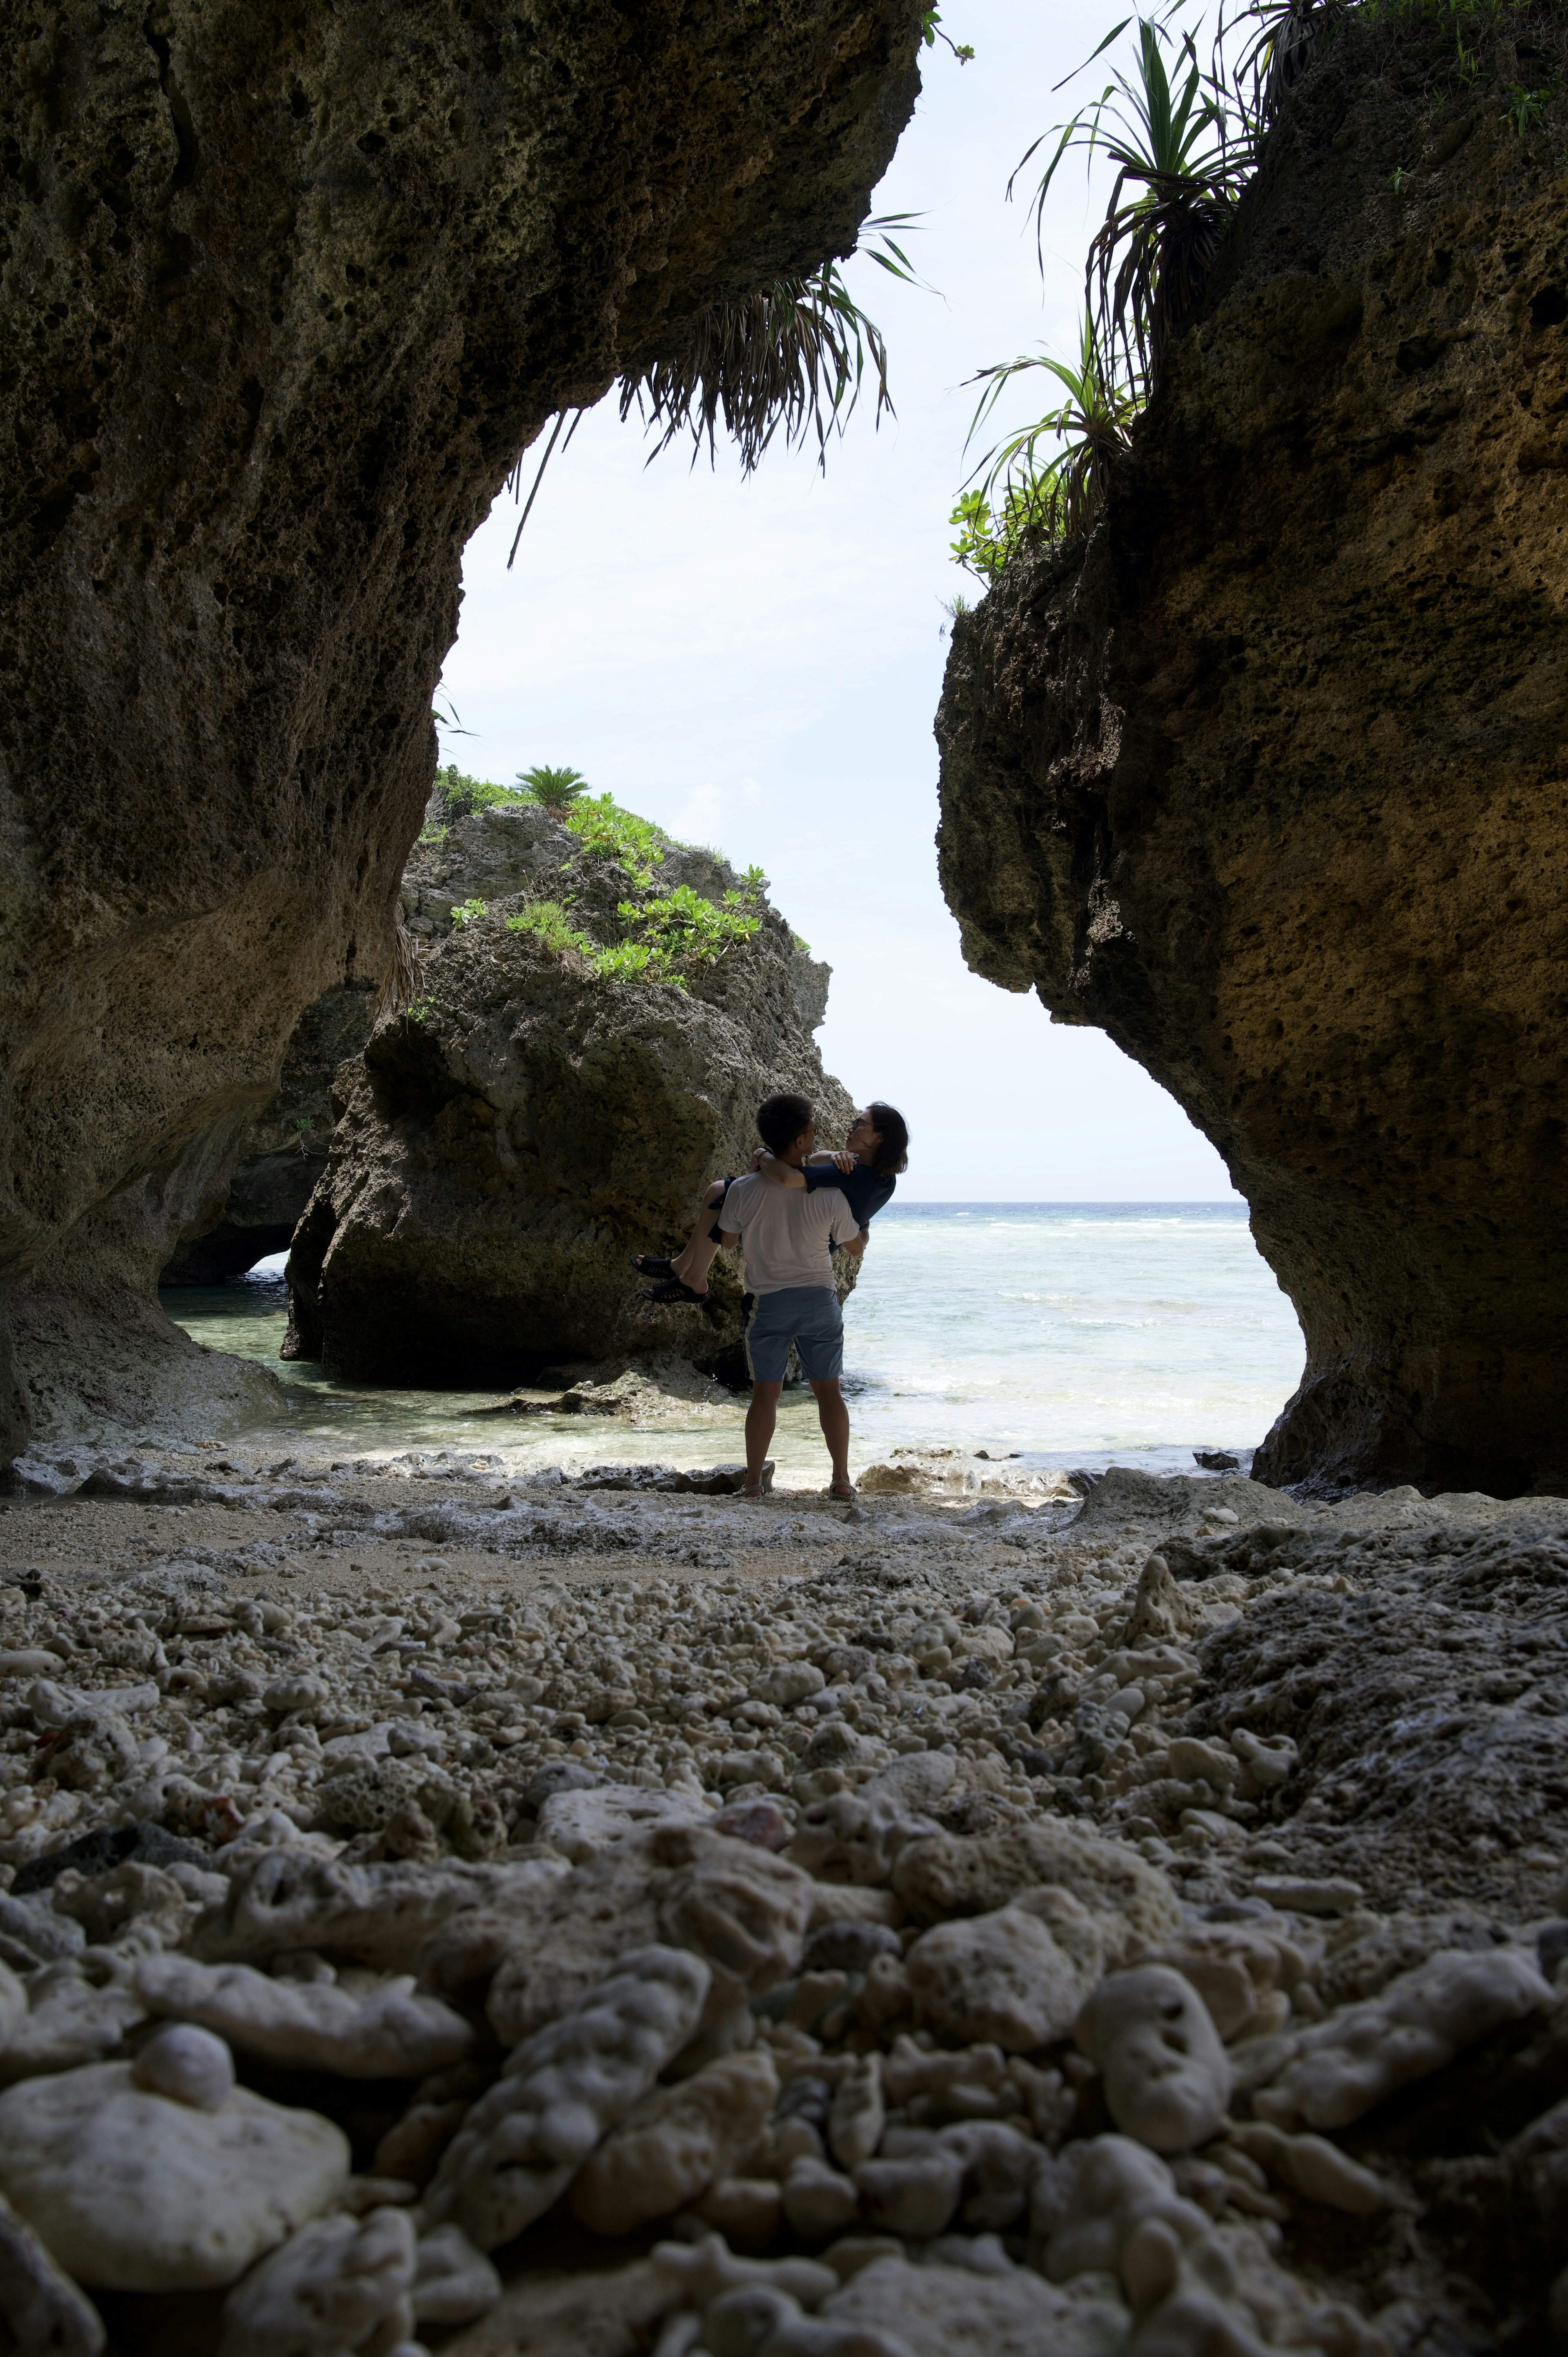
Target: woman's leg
692	1263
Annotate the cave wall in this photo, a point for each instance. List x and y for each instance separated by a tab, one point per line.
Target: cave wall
285	292
1269	780
272	1169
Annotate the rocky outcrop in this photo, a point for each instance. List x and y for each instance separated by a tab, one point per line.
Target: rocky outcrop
509	1139
283	1152
1267	781
284	304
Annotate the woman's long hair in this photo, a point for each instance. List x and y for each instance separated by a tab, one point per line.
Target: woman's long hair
893	1154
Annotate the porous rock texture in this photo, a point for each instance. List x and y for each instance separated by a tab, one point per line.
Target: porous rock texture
1268	782
512	1137
284	1153
285	300
1317	2098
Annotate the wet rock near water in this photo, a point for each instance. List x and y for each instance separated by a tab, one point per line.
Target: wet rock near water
282	1153
617	1957
507	1143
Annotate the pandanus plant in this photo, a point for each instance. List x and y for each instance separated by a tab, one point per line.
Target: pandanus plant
1055	499
1178	171
1179	175
795	357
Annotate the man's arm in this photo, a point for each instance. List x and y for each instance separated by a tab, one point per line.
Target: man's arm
845	1229
779	1174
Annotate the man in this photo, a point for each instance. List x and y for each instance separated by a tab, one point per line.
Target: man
785	1233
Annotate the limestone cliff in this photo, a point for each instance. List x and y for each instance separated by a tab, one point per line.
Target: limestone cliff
283	299
283	1152
506	1141
1269	780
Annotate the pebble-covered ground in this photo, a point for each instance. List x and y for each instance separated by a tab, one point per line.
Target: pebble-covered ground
591	1916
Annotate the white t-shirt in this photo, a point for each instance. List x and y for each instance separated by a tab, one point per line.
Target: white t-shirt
785	1231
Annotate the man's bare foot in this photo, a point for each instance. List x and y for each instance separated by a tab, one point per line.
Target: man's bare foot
841	1489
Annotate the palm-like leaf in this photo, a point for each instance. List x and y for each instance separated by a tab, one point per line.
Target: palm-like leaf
1178	173
1058	498
1285	35
795	357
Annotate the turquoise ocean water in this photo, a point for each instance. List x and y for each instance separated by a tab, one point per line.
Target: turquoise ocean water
1074	1333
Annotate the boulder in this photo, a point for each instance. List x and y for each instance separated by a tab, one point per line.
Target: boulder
252	438
1167	2078
945	1875
562	2092
526	1124
1263	781
739	1907
328	2290
132	2189
1018	1976
390	2033
675	2144
40	2308
944	2311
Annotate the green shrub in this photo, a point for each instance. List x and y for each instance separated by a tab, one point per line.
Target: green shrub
687	929
466	912
457	796
548	922
607	831
636	961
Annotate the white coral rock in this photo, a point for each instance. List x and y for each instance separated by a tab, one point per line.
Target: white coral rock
561	2094
1018	1977
676	2143
326	2291
136	2191
1355	2060
1168	2079
390	2033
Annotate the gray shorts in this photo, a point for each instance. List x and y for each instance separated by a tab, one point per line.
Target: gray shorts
807	1315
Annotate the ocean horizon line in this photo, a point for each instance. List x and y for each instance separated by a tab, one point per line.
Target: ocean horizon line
1066	1204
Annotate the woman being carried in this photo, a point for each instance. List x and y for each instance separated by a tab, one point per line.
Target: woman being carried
874	1152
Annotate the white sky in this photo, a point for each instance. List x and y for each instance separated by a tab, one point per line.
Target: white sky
755	665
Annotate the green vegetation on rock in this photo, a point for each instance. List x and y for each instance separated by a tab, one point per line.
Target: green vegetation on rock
606	831
554	789
1185	143
455	795
548	920
668	933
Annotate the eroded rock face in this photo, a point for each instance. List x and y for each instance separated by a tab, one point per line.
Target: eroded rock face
1269	784
283	1152
286	307
509	1141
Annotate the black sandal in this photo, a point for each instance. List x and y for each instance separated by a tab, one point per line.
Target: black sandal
675	1291
650	1265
